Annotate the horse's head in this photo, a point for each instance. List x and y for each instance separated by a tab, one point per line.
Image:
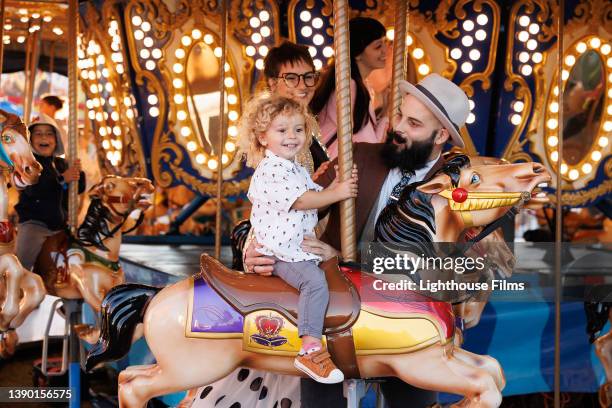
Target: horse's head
122	195
481	190
16	152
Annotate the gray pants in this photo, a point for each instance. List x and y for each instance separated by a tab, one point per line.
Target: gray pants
31	236
309	279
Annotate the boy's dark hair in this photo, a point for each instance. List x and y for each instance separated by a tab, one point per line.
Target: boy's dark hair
286	53
54	101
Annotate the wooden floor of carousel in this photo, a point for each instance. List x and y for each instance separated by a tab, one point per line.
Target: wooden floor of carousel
161	265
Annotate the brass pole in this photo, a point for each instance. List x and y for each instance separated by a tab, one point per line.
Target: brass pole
399	54
345	124
222	129
32	56
2	13
559	212
73	21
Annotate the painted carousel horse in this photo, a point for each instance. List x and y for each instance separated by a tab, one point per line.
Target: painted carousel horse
21	291
202	328
86	266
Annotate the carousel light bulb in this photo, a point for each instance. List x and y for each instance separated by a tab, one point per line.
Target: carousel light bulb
581	47
536	57
200	158
595	42
148	41
177	83
208	39
456	53
179	53
328	52
115	46
93	88
318	64
534	28
424	69
607	126
265	31
574	174
306	31
318	39
610	91
468	25
474	55
563	168
146	26
609	62
150	65
233	115
471	118
553	141
47	19
110	156
609	110
317	22
532	44
305	16
596	155
212	164
8	27
99	117
154	111
218	52
523	57
196	34
185	40
480	35
554	156
264	15
191	146
230	146
224	158
136	21
24	19
229	82
109	87
145	53
605	49
556	91
263	50
312	51
409	40
524	21
179	99
232	131
552	124
250	50
466	67
20	39
232	99
603	141
255	22
112	101
518	106
119	68
129	113
418	53
127	101
467	40
587	168
482	19
390	34
570	60
152	99
139	34
515	119
105	143
185	131
523	36
564	74
89	103
259	64
181	115
116	130
114	116
58	31
91	75
526	70
177	68
256	38
471	104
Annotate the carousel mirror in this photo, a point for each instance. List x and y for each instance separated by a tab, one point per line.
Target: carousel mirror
583	102
202	79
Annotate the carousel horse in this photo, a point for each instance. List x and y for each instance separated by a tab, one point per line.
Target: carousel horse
86	266
202	328
21	291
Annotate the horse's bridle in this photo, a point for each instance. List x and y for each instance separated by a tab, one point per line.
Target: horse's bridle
124	199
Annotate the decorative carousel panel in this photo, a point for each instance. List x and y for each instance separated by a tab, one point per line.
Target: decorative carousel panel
256	25
311	24
110	103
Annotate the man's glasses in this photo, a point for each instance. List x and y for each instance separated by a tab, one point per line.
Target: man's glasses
292	80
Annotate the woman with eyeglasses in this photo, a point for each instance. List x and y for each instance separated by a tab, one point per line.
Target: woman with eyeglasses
290	72
368	51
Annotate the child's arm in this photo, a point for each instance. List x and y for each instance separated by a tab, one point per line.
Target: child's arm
337	191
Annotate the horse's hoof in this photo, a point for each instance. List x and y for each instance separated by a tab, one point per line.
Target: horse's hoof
87	333
8	343
605	395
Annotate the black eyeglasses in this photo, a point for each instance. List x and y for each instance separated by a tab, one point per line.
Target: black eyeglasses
292	80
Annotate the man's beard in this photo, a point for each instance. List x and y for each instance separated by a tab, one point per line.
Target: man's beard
410	159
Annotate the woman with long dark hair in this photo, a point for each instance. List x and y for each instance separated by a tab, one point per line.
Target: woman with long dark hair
368	52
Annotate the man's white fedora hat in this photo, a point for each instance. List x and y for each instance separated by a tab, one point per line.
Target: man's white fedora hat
445	100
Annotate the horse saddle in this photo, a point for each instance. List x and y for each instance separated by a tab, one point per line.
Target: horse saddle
251	292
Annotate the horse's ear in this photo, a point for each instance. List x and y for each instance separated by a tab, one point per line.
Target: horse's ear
436	184
97	190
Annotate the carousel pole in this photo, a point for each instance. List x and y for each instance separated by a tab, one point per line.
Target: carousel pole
2	13
559	213
32	57
345	124
399	49
73	307
222	129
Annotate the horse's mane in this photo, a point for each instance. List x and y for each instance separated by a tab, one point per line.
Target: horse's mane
94	228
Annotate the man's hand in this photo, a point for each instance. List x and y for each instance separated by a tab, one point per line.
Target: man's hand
347	188
254	262
320	171
312	245
73	173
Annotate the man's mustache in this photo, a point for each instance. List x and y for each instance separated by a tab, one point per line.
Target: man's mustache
393	136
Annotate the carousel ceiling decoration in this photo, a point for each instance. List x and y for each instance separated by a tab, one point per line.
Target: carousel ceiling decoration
110	103
585	98
23	18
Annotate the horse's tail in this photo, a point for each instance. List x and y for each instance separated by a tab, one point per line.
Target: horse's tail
123	308
239	236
